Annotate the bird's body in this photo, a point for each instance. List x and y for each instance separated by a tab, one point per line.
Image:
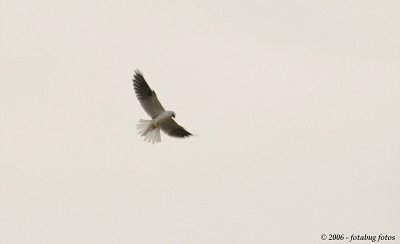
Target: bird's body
161	119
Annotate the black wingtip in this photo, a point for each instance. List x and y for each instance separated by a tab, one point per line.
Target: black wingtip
142	89
138	72
180	132
138	75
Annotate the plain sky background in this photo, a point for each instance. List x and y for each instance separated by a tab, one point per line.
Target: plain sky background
295	105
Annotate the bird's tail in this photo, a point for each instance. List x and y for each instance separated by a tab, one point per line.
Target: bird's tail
149	131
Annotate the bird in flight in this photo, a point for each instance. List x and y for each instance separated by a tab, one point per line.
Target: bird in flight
160	118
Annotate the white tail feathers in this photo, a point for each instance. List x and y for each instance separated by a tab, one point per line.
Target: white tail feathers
146	128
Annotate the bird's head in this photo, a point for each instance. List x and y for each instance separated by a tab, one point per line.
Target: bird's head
171	114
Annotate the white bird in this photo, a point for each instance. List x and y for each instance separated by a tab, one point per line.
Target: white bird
161	119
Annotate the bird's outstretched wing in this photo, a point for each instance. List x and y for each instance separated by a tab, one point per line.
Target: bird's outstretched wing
146	96
172	128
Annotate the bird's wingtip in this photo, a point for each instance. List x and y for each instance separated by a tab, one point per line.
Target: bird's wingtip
138	72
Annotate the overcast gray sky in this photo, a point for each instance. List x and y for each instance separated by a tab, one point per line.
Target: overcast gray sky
295	105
